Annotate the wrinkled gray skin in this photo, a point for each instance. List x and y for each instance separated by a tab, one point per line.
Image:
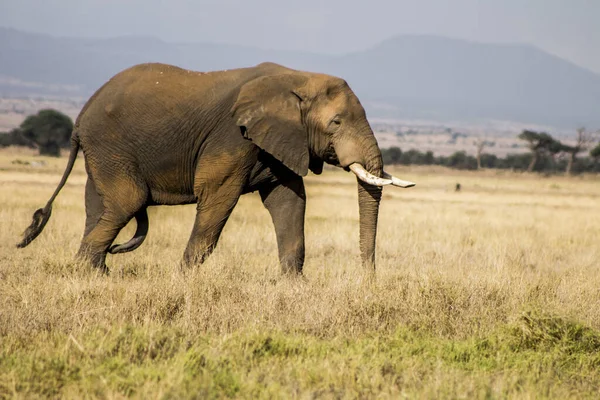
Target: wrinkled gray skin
156	134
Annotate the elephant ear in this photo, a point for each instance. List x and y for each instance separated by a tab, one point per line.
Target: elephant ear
269	109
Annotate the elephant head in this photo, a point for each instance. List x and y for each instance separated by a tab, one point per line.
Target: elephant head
305	119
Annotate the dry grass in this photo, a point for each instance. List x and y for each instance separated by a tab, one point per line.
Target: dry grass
488	293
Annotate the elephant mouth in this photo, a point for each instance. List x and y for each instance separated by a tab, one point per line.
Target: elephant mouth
367	177
330	157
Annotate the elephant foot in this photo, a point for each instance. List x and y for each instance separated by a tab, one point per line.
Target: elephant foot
293	273
292	266
297	278
96	260
103	270
189	263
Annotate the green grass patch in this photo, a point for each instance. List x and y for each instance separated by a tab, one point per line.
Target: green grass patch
537	355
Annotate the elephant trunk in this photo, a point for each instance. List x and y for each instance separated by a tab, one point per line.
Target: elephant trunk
369	197
362	156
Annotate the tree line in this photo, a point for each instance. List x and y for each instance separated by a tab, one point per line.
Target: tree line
546	155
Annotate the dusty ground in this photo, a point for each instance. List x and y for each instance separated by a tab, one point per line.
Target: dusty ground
491	292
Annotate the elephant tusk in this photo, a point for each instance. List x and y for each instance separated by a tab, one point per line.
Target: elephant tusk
367	177
398	182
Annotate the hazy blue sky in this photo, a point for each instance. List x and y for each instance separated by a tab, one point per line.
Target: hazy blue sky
568	28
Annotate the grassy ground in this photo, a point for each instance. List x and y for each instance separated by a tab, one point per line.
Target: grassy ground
491	292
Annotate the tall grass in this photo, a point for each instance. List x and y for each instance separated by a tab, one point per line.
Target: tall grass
489	292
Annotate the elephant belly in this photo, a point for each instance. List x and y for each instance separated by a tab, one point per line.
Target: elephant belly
170	187
168	174
158	197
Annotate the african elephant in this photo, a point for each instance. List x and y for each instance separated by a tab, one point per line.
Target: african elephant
156	134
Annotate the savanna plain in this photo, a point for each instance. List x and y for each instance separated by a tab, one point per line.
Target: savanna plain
490	292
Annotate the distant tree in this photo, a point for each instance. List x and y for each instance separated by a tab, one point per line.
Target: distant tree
461	160
517	162
15	138
4	141
488	161
414	157
583	141
49	129
595	153
480	145
555	150
391	156
539	143
429	158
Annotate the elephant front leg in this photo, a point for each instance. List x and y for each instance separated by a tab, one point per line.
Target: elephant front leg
286	202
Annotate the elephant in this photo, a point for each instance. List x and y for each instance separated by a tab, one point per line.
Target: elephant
157	134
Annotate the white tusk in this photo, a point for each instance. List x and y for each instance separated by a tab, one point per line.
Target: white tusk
367	177
398	182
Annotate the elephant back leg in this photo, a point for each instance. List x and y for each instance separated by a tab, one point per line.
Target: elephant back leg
113	197
219	182
93	206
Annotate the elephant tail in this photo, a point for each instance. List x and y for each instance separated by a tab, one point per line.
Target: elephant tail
42	215
141	218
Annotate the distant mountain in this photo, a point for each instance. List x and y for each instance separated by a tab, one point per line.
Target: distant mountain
88	63
423	77
446	78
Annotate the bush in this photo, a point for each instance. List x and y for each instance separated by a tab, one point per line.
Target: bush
391	155
15	138
49	129
461	160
